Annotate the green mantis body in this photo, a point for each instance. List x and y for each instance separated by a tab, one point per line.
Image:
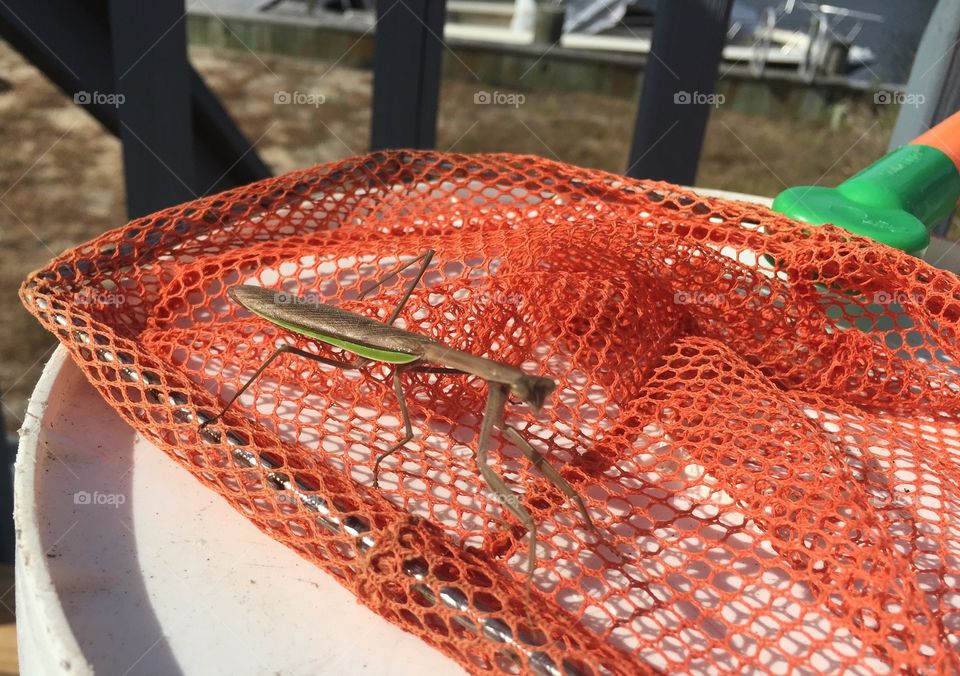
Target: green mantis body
406	351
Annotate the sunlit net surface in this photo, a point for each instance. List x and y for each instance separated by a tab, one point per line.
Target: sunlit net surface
761	416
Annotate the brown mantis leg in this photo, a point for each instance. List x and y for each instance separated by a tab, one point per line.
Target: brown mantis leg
408	428
426	257
549	471
534	456
494	414
438	369
264	365
540	462
496	400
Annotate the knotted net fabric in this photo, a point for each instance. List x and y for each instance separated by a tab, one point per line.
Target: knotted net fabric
761	416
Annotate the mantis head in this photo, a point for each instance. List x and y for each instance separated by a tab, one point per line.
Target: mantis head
532	390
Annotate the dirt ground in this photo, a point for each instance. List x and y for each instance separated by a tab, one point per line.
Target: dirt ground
61	180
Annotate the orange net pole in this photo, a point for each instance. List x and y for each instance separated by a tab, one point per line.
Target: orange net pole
760	415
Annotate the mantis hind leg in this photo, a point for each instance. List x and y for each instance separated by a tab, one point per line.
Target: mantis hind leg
256	374
408	429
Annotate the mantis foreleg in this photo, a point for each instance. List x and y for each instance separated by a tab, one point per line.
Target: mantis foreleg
496	399
549	471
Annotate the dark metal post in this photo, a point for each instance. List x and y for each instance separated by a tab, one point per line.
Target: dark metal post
678	89
71	42
153	99
406	73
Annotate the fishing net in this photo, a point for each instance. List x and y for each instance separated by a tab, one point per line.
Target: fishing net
761	416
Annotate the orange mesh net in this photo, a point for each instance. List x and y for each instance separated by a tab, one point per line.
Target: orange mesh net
760	415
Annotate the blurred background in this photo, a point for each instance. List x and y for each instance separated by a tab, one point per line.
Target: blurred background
112	109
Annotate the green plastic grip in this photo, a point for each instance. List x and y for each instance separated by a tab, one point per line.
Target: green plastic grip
896	200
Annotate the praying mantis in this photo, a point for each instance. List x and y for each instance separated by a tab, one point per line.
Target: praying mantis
407	352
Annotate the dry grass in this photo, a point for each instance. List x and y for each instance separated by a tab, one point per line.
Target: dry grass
61	179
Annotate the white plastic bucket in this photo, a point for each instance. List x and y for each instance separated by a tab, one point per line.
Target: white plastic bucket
126	564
